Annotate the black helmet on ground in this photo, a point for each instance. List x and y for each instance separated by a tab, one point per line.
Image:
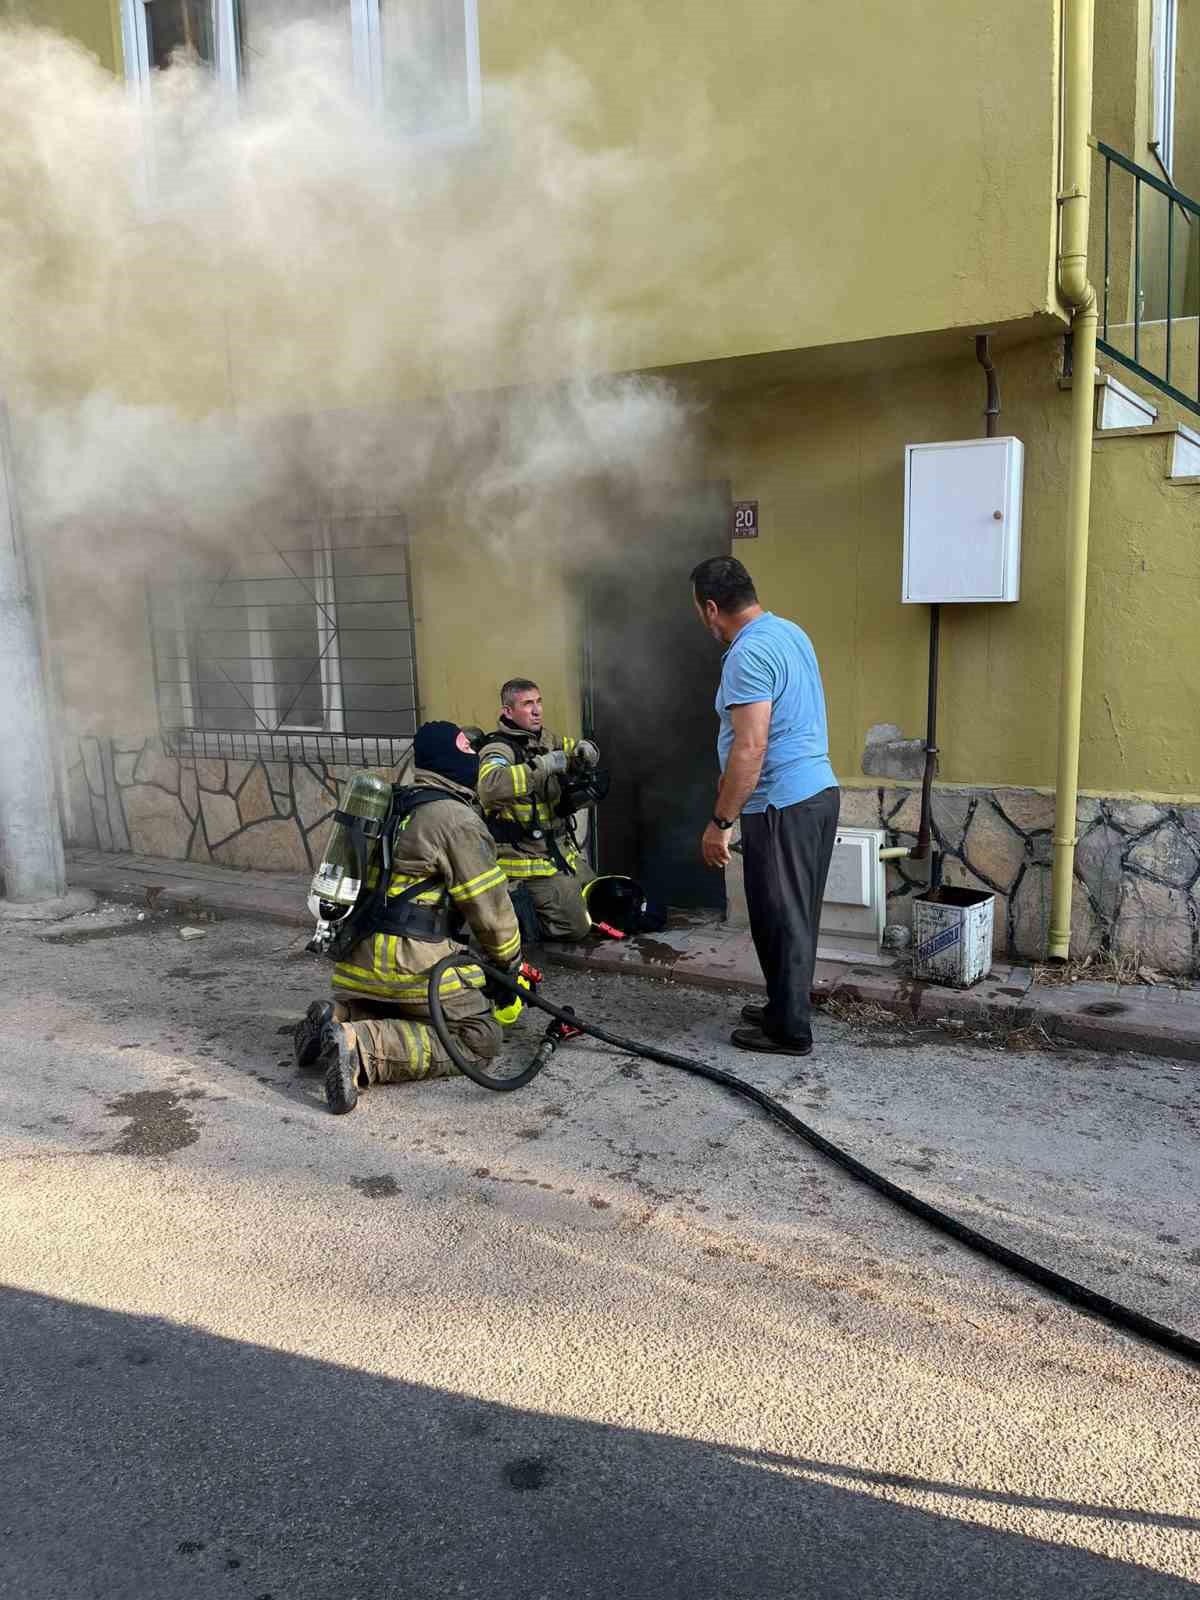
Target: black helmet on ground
623	904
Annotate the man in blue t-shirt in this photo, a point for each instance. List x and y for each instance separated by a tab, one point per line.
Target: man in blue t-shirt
775	774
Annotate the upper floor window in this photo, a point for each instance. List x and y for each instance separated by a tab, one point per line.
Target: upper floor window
415	61
1164	26
157	32
419	61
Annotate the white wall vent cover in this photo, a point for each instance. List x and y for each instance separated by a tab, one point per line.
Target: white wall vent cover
855	903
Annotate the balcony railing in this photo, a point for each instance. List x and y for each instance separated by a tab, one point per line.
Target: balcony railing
1150	286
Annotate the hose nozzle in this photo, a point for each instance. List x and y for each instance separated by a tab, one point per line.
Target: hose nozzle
558	1032
562	1030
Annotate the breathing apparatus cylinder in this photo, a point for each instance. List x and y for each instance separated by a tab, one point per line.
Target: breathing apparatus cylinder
338	881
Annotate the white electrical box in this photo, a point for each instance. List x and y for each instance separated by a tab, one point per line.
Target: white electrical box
962	521
855	902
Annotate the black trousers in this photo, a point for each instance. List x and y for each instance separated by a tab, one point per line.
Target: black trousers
786	855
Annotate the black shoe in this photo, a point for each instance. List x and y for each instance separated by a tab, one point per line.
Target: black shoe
306	1035
339	1057
756	1039
754	1015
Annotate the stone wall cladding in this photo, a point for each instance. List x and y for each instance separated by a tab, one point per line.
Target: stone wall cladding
130	794
1137	867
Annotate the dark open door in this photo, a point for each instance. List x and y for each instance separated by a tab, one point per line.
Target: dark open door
653	677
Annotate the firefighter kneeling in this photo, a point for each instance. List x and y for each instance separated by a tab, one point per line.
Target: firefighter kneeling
414	864
531	783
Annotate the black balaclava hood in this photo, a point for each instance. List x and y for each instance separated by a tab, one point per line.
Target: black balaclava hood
435	749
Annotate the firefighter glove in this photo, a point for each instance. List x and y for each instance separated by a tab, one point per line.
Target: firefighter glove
507	1006
500	992
554	762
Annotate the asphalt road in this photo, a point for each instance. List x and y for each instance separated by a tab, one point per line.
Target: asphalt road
615	1335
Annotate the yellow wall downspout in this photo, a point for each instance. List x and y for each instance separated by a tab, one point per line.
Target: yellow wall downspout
1078	292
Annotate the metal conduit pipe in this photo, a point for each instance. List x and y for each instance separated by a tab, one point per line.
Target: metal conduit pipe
923	849
983	354
1078	292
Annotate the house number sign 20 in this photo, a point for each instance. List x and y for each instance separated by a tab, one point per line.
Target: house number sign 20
745	519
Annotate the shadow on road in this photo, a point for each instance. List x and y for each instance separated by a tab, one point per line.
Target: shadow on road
147	1459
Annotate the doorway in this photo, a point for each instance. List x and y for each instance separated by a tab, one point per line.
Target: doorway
650	679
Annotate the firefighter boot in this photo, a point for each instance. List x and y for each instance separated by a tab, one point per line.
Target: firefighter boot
343	1069
306	1035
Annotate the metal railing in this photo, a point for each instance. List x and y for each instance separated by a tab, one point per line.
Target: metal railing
1154	356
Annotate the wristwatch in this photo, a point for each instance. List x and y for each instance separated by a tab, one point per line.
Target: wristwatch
724	823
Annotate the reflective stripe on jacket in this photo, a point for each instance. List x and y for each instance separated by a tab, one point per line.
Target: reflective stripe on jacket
447	843
515	791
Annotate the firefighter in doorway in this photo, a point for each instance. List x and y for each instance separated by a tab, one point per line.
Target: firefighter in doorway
531	783
444	881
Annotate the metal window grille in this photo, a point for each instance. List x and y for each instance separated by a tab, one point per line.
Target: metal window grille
298	647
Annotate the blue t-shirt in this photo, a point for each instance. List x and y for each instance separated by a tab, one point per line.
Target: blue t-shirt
772	659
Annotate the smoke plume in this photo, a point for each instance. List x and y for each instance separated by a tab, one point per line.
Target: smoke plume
212	309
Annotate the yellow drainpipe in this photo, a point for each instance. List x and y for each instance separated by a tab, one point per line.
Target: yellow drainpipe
1078	292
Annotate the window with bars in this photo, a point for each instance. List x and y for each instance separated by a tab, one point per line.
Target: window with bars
302	642
416	61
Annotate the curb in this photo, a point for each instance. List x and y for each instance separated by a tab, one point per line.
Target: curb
657	971
1101	1017
213	902
1095	1017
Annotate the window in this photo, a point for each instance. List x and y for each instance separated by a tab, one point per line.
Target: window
415	61
418	62
1164	29
172	25
304	636
294	656
154	32
258	19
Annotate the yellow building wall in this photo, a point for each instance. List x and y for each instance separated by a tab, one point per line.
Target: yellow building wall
788	175
856	171
825	462
824	458
866	169
100	656
482	615
95	24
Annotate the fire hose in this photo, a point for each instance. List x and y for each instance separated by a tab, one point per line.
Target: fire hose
566	1025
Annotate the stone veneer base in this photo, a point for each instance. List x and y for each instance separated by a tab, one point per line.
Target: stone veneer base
1137	865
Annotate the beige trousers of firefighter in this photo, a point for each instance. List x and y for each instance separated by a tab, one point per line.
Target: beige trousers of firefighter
397	1044
559	902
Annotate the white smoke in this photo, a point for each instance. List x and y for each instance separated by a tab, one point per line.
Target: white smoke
208	309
